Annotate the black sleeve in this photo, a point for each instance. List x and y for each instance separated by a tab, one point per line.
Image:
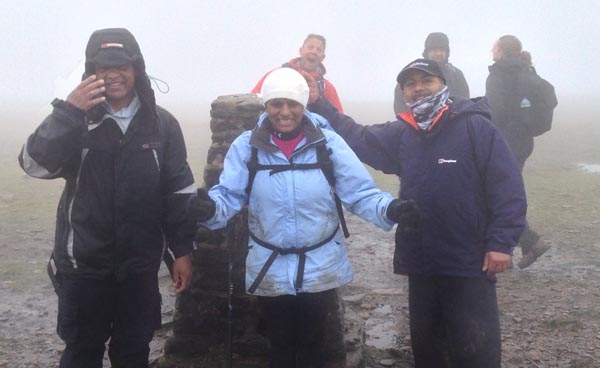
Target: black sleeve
376	145
494	92
179	188
55	143
504	188
462	88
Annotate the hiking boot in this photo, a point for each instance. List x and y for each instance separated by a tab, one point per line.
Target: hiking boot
534	253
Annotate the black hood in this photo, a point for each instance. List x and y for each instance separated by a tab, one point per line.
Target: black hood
115	47
437	40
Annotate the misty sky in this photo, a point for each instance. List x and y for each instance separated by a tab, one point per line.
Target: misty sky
204	49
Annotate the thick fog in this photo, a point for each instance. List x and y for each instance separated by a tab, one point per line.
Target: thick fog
204	49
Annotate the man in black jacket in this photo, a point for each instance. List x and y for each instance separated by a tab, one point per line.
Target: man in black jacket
124	203
437	47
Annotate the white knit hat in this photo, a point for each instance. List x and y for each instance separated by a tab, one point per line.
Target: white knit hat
285	83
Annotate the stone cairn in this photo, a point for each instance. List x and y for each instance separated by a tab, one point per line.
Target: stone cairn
208	333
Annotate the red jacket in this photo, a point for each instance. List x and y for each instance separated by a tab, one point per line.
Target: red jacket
327	89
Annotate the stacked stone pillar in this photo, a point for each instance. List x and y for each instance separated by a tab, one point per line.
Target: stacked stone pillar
206	331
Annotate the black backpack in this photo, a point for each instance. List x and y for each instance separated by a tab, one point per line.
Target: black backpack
323	162
533	103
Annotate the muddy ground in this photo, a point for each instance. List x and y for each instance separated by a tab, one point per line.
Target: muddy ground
550	312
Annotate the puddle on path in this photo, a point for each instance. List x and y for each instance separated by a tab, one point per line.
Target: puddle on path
381	333
590	168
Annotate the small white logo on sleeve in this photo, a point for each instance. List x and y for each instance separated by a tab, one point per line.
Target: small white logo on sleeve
111	44
442	161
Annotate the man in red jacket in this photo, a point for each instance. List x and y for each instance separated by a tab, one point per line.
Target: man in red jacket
312	53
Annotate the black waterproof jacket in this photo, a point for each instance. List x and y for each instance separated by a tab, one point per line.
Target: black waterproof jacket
125	196
500	86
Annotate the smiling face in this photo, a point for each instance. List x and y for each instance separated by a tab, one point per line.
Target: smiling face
285	115
418	84
438	54
312	54
119	83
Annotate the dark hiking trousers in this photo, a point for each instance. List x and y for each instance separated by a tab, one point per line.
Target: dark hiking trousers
528	236
295	326
454	322
90	312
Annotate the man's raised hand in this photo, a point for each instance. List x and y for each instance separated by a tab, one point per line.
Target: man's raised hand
87	94
313	87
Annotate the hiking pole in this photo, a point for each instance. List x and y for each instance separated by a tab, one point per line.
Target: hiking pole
169	260
230	248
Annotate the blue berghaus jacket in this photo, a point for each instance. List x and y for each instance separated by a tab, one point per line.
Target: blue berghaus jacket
462	175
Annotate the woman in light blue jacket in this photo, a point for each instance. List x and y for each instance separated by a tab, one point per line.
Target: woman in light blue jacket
297	257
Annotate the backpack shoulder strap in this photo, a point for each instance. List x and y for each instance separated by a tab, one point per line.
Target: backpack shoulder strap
324	160
323	153
252	168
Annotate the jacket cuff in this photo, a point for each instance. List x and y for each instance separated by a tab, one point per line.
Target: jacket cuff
500	248
183	249
68	108
321	104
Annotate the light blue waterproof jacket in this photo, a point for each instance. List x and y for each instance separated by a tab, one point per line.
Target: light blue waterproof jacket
296	208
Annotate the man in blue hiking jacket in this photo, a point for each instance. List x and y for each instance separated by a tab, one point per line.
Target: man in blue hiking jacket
463	177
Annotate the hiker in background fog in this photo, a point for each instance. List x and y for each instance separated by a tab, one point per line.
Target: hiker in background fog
437	47
286	170
522	106
126	193
457	168
312	54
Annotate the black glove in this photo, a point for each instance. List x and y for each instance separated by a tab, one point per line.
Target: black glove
212	237
201	207
405	213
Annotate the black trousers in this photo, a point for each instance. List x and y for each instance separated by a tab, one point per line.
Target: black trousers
528	237
454	322
90	312
295	326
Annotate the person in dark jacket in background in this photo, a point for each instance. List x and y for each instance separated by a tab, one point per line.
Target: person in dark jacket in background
509	62
437	47
312	54
466	183
125	200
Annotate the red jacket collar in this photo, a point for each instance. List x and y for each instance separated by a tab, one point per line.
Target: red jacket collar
408	117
